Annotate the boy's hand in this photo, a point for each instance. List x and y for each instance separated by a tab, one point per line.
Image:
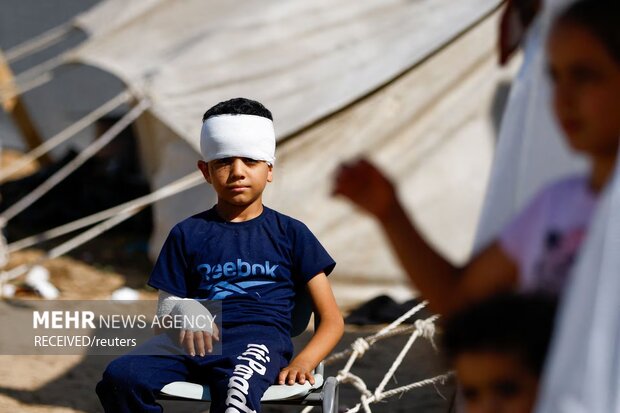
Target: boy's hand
366	186
296	372
197	342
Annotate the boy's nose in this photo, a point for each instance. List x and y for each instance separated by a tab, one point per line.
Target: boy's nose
564	96
237	168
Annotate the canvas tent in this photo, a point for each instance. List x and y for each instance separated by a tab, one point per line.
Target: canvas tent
390	79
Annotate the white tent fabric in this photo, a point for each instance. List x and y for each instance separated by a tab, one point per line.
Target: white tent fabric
321	67
531	151
111	14
423	129
583	371
104	17
303	60
426	134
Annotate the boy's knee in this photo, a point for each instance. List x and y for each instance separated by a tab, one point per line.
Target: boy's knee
123	372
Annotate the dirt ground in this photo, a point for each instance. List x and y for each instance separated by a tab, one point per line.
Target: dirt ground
65	384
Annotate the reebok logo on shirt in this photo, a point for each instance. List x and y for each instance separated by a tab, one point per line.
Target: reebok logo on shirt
233	269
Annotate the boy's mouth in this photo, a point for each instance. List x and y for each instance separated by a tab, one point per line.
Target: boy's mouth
238	188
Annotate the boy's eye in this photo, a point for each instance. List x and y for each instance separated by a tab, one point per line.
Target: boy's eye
250	162
583	74
470	394
227	162
552	73
224	161
507	388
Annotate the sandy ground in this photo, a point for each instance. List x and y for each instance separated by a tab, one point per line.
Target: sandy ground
63	384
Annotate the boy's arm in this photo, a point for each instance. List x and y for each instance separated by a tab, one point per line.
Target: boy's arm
447	287
194	340
325	338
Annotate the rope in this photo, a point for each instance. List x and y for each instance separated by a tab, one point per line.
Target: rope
421	328
95	231
360	346
114	216
33	77
357	382
70	244
427	329
38	43
389	331
441	379
370	339
395	364
42	68
74	164
180	185
4	252
12	90
65	134
402	318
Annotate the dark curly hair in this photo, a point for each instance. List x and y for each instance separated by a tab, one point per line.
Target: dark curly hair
238	106
599	17
516	324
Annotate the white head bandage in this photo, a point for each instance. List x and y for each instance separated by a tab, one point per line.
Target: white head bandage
246	136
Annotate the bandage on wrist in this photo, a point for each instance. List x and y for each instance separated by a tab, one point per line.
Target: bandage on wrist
194	315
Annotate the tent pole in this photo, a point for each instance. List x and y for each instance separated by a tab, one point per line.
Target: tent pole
14	105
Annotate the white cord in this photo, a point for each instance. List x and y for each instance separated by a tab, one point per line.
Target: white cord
74	164
65	134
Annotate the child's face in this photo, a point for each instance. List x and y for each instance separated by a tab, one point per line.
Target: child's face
237	181
586	89
495	382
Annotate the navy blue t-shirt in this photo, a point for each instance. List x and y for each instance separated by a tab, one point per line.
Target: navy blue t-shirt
254	266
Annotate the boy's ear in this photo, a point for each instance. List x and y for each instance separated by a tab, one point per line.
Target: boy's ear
204	168
269	172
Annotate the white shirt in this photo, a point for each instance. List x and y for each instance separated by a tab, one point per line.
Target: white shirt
545	237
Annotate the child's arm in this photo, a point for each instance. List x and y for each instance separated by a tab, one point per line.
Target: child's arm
194	341
325	337
447	287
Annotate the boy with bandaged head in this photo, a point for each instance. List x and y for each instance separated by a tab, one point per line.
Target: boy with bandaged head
250	257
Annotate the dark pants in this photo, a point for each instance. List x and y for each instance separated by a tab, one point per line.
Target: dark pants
251	358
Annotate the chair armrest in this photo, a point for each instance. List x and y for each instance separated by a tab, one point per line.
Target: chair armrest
320	369
330	395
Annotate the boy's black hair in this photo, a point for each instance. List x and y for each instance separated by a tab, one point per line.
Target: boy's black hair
507	323
238	106
599	17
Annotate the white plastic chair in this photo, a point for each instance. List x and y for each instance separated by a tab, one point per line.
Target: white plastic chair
323	393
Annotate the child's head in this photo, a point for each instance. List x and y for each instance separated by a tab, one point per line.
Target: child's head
497	348
584	63
237	142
